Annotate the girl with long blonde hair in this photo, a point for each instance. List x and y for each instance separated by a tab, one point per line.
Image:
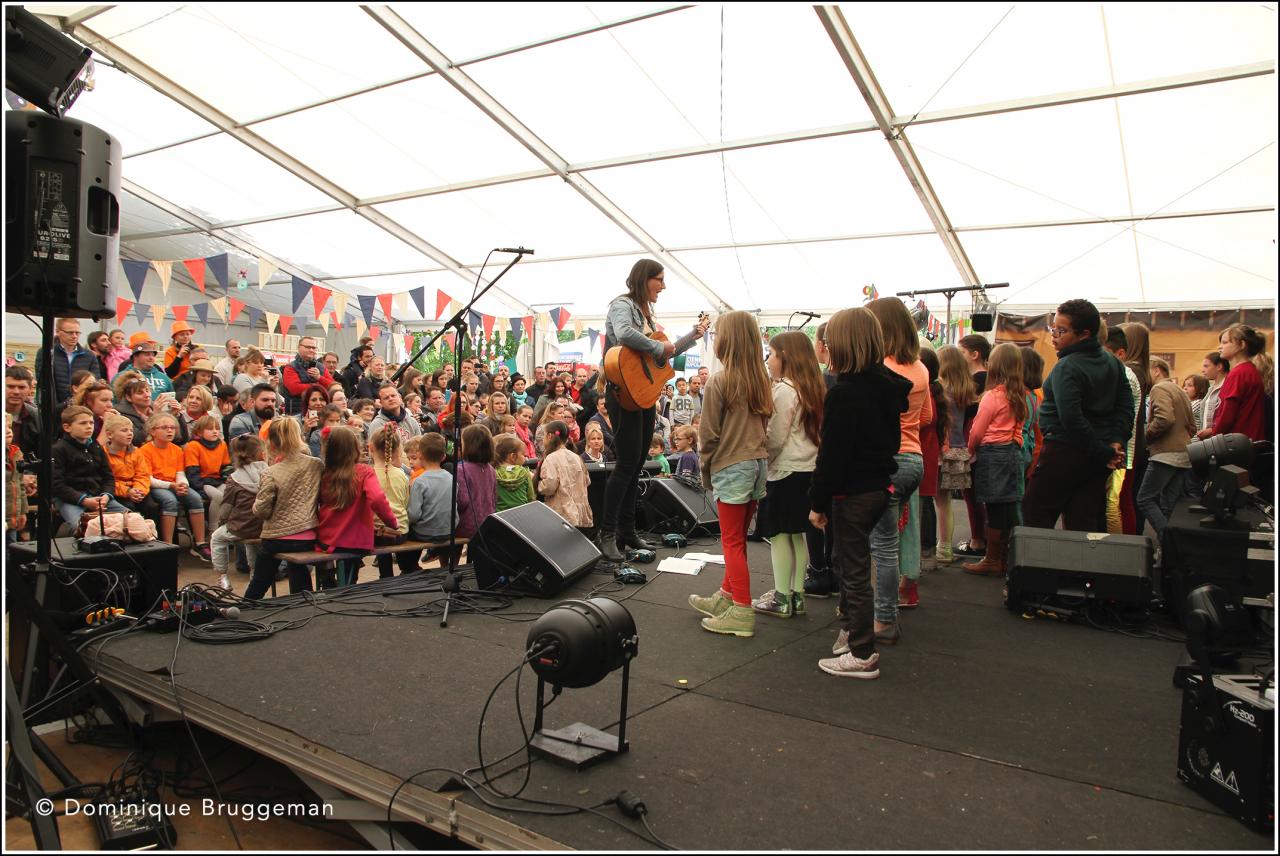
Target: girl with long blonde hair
995	442
386	448
286	503
733	461
792	438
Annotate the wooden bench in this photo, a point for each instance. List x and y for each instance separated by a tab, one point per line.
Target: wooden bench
317	557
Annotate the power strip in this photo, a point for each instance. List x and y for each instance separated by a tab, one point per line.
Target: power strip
130	824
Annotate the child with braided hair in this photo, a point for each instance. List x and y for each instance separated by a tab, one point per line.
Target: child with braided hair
385	447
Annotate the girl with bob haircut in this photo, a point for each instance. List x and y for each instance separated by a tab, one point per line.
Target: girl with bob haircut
349	496
995	443
861	434
792	438
477	480
733	461
900	551
286	503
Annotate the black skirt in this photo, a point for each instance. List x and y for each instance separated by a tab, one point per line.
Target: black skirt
785	507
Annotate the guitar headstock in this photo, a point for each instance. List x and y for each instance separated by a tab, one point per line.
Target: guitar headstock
704	320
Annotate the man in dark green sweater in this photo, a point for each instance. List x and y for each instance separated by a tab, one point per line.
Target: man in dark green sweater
1086	418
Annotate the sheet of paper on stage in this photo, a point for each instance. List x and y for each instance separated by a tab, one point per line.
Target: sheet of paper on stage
672	565
704	557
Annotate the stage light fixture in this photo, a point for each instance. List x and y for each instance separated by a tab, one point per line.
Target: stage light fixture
576	644
42	66
1220	450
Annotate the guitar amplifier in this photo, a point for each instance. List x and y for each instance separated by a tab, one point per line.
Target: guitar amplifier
1047	563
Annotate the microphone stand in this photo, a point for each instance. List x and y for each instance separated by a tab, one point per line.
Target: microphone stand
458	322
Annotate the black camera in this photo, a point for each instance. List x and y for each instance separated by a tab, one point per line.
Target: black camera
269	361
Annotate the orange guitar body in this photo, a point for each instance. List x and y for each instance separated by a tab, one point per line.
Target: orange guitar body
638	376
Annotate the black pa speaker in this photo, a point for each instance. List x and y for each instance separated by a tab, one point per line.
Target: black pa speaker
670	505
983	317
530	549
62	216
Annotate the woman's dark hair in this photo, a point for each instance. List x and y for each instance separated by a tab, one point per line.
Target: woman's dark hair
557	434
477	445
1201	383
941	413
312	390
1032	368
1223	364
638	285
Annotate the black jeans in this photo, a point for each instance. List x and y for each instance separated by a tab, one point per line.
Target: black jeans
264	569
1066	482
820	545
632	434
850	525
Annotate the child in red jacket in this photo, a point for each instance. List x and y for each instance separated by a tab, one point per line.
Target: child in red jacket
349	498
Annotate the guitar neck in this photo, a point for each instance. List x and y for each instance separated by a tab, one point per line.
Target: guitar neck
685	342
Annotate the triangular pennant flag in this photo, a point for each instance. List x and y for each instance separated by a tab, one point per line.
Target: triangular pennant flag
401	303
220	306
577	328
255	316
136	273
555	317
140	311
375	331
286	321
517	327
367	302
454	308
473	321
385	301
487	322
442	301
592	333
564	318
122	309
218	266
236	307
409	341
528	325
324	321
158	311
195	267
180	312
202	312
360	327
319	297
336	322
544	319
300	290
164	270
419	296
273	318
266	268
603	340
451	339
340	299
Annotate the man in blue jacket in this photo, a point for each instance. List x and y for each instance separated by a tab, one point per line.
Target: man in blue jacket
69	356
1086	417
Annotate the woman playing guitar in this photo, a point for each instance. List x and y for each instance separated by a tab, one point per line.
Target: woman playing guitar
629	323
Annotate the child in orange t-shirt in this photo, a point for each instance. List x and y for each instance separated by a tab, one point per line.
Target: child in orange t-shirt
169	484
208	463
130	467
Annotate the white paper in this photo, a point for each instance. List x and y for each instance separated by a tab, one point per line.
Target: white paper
673	565
704	557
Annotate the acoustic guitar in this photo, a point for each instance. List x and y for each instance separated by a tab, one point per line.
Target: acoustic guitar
640	376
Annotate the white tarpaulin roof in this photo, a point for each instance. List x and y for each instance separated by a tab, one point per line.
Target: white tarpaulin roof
773	156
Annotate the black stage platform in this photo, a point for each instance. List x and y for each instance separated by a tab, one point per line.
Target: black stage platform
985	730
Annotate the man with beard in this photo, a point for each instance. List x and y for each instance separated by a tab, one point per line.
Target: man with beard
393	411
262	409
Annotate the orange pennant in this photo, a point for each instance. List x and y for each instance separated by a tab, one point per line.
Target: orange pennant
196	268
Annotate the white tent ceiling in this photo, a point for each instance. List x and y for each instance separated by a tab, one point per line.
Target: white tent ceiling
773	156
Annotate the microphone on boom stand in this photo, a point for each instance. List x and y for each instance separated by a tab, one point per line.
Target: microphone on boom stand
450	584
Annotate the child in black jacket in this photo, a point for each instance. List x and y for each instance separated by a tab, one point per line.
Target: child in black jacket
82	477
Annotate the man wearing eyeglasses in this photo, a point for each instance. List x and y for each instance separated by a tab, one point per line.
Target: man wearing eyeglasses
69	356
1086	417
304	371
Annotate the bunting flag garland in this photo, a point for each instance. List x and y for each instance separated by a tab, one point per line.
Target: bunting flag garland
286	321
336	322
375	332
361	326
340	299
218	265
367	303
140	311
164	270
528	326
301	288
273	319
577	328
236	307
202	312
265	270
409	341
136	273
556	315
385	301
180	312
442	302
454	308
592	333
196	267
419	296
473	321
400	302
319	297
487	322
517	327
255	316
324	321
451	339
122	310
220	306
158	311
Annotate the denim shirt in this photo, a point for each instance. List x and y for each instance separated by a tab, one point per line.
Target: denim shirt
624	325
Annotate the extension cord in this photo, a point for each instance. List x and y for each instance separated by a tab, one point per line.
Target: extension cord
168	619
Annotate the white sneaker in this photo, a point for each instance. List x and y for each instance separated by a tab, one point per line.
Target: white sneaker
842	643
849	666
225	583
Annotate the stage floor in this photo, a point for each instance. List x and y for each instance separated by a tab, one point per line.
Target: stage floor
985	731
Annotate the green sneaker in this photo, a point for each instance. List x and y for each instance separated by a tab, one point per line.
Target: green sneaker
772	603
734	621
797	603
712	606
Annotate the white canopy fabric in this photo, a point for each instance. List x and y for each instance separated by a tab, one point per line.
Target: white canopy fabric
773	156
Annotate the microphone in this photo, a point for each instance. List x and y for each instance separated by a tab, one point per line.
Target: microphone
519	251
232	612
809	314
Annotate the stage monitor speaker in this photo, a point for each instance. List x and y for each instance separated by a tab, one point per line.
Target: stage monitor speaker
983	318
530	549
670	505
1050	563
62	216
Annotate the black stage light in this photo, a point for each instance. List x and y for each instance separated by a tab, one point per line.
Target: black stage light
42	66
1220	450
576	644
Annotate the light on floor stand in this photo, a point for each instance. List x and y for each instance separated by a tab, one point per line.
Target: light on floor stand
579	642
